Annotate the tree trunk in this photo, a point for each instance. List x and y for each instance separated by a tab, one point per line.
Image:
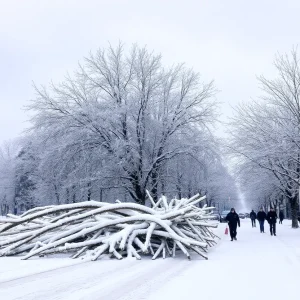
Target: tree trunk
141	196
189	190
154	181
294	206
179	193
294	211
74	194
67	196
101	195
56	194
138	193
89	194
163	185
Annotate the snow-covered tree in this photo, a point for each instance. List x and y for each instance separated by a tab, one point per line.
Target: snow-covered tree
118	124
7	177
266	132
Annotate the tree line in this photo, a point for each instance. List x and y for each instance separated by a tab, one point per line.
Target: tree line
122	124
265	139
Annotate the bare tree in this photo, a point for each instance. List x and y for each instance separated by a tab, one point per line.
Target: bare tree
8	153
128	110
266	132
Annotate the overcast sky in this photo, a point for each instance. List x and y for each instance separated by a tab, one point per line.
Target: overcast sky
230	41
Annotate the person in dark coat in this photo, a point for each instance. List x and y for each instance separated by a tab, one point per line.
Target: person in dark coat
272	219
261	217
233	221
281	217
253	218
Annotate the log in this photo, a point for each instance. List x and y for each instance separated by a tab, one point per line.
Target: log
93	229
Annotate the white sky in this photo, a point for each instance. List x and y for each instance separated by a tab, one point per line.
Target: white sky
230	41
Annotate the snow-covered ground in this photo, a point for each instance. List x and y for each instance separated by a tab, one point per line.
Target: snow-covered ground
257	266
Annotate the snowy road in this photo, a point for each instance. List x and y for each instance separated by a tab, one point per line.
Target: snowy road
255	265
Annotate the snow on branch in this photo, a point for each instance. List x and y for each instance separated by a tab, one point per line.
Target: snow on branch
92	229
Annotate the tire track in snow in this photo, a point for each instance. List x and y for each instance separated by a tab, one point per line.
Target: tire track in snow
127	280
40	272
71	278
140	286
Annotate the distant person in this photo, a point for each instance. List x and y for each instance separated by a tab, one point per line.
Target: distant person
281	217
233	221
272	219
253	218
261	217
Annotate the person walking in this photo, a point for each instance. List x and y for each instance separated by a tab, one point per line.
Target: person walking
261	217
281	217
233	221
272	219
253	218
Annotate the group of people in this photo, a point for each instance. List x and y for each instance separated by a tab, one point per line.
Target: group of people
271	217
234	221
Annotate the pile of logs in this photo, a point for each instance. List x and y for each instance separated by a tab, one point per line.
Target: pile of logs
92	229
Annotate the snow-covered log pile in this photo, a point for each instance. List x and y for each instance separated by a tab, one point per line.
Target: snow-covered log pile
90	229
